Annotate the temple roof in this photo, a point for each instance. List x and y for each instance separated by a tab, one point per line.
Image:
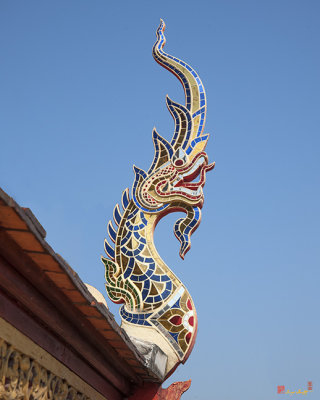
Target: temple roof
98	339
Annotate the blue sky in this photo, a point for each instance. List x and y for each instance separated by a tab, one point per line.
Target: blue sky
80	94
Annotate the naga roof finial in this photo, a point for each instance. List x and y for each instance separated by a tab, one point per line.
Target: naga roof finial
156	305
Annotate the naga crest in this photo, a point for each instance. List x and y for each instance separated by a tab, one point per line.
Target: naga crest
156	305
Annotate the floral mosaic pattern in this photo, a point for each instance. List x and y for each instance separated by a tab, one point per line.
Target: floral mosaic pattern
152	296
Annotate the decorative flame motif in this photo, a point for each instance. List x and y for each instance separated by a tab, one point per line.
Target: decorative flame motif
156	303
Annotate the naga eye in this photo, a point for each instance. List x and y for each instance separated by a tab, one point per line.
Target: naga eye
179	158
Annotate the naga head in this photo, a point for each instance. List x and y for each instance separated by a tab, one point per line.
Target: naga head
175	180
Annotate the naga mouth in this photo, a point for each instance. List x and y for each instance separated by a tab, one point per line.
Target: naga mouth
184	180
183	184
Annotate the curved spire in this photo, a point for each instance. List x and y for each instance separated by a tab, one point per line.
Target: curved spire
189	119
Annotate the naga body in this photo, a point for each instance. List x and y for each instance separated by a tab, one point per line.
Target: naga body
157	307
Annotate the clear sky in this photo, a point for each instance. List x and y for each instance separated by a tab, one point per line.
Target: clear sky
80	94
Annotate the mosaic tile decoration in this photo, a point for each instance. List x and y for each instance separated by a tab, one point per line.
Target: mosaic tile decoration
136	276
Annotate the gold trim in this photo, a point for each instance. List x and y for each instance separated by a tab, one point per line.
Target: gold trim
29	372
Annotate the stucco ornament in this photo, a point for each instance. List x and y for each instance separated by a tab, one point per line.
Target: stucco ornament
156	305
22	378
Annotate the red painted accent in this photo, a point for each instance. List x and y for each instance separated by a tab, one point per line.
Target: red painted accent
194	336
121	301
151	391
191	321
179	163
189	305
188	337
148	391
176	320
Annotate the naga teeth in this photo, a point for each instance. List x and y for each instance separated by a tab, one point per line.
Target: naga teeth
188	191
180	178
195	167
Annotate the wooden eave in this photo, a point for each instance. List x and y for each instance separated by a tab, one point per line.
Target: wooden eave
40	283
